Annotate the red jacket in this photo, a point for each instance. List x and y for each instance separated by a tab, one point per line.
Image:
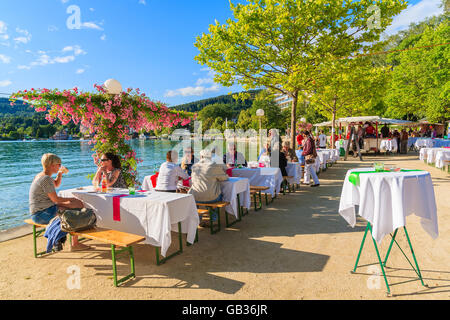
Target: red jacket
308	147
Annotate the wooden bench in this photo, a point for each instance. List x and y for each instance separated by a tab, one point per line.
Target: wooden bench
115	239
216	206
38	230
112	237
256	191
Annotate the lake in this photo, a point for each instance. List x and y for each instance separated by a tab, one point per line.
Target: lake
20	161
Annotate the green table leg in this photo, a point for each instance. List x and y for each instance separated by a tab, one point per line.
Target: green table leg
180	250
114	253
369	227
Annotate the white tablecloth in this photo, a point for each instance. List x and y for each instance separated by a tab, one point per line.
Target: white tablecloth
262	177
389	145
334	153
424	142
323	156
230	189
431	154
294	169
151	214
385	199
441	156
338	144
423	153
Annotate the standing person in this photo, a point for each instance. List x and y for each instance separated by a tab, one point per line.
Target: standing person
169	174
322	140
111	167
309	152
396	136
45	203
385	131
404	141
370	131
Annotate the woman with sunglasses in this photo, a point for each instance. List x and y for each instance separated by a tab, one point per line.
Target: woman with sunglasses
110	166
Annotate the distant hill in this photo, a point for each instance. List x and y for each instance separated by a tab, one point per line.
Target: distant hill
20	108
196	106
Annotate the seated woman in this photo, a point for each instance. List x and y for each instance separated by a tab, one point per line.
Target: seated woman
206	178
289	152
43	200
188	160
169	174
111	167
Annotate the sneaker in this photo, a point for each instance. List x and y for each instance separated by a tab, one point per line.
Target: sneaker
315	185
58	246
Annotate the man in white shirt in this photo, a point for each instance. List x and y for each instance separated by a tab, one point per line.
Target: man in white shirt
169	174
322	140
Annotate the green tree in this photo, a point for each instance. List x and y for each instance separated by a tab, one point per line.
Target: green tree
349	87
281	44
420	79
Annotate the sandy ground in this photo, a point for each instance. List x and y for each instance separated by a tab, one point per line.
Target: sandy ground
296	248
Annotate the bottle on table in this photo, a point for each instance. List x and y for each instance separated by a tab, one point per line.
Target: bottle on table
104	183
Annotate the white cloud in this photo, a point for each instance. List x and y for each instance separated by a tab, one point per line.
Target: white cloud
23	67
65	59
415	13
103	37
76	50
5	83
142	2
191	91
5	59
64	1
52	28
199	88
23	39
3	27
92	9
3	30
80	71
91	25
204	81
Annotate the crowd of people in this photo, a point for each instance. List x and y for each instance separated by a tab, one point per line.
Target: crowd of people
204	176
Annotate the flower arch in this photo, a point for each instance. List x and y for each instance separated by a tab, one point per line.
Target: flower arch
108	118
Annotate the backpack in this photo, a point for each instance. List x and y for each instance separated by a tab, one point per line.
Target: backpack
73	220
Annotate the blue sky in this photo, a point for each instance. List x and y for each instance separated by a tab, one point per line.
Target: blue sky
146	44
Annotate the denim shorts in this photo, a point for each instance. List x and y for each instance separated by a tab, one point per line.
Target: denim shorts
44	216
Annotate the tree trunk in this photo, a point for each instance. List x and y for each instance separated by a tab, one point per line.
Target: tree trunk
293	119
333	130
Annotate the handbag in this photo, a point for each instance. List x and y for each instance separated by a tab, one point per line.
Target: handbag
310	159
73	220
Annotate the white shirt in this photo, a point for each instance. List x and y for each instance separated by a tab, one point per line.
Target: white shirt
169	173
322	140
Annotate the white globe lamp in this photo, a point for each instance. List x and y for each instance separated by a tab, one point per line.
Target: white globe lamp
260	113
302	120
113	86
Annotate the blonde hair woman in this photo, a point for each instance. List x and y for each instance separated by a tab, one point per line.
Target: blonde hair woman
43	200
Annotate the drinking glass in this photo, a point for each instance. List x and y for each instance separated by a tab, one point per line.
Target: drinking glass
379	166
131	190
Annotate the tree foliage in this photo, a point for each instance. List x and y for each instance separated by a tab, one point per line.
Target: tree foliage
281	44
